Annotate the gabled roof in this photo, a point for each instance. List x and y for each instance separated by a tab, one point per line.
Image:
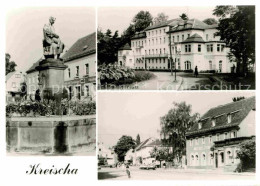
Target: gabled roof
141	145
188	25
32	68
125	47
238	110
157	142
82	47
195	38
162	24
9	75
139	35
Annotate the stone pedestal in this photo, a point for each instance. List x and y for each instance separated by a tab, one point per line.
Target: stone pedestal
51	79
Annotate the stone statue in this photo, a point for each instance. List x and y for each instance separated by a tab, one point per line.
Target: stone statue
52	45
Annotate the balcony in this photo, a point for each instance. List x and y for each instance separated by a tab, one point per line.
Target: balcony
156	56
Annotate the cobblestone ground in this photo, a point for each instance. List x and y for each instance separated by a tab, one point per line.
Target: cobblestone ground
171	174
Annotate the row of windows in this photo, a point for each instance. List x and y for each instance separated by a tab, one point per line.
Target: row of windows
226	135
77	71
213	120
156	51
78	93
155	32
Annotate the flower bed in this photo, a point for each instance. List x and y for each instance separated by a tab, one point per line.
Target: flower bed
47	108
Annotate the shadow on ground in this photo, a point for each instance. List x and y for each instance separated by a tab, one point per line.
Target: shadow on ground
107	175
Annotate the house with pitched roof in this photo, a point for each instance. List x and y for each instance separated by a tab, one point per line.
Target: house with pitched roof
189	43
141	153
80	76
213	142
125	56
32	82
13	83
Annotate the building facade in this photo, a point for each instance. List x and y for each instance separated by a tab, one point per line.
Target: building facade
189	43
106	155
214	141
79	76
13	85
125	56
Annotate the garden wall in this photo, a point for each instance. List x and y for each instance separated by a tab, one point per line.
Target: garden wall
54	134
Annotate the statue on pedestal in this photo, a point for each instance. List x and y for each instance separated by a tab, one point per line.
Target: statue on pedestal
52	45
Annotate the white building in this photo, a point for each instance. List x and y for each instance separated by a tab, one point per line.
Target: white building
193	43
13	84
107	153
125	56
80	76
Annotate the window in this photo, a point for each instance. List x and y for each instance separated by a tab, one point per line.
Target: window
199	48
226	135
87	69
229	118
160	40
164	50
173	39
164	30
197	141
207	37
69	72
203	140
200	125
222	48
213	122
187	48
210	48
77	71
164	40
177	38
210	139
233	134
182	37
13	84
87	90
187	65
17	75
220	66
218	47
217	137
188	35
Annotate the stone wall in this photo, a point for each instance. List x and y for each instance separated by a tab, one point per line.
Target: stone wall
54	134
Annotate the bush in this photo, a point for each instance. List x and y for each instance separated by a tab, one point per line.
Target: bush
247	154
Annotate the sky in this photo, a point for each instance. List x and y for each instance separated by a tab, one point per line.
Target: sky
132	113
119	18
24	30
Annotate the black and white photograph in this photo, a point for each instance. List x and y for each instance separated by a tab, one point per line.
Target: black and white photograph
51	81
176	136
176	48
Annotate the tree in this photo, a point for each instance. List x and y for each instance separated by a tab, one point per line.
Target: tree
174	126
9	65
142	20
184	16
108	45
210	21
161	17
138	140
237	29
160	154
123	145
246	154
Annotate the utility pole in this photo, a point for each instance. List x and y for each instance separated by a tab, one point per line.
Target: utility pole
170	45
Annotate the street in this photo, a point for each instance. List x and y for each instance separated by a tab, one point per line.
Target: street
171	174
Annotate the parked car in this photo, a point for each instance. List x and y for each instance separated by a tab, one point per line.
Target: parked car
148	167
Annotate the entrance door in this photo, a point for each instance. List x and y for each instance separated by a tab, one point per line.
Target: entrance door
78	92
216	159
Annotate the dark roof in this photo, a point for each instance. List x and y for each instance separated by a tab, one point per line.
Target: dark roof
82	47
32	68
125	47
195	38
157	142
141	145
238	110
212	26
139	35
162	24
188	25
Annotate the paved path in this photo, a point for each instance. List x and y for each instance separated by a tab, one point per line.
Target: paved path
162	81
170	174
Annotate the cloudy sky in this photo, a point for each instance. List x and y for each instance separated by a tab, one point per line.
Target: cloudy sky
119	18
24	30
132	113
